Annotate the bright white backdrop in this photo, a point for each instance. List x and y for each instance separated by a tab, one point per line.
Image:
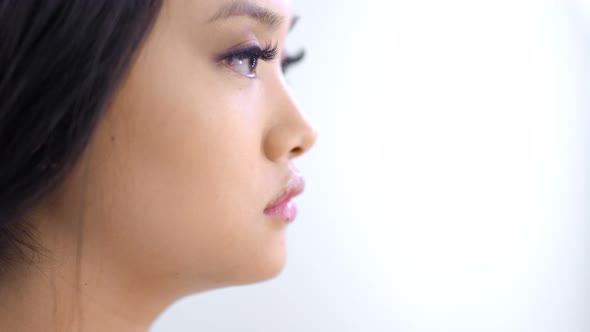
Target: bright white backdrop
449	189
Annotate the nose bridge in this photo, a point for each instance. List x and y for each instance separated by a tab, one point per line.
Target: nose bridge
291	133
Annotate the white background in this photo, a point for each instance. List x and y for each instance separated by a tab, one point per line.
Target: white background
449	189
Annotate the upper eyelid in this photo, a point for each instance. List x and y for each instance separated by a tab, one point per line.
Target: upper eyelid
250	50
237	48
238	51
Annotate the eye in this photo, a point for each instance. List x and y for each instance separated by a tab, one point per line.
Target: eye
245	61
243	65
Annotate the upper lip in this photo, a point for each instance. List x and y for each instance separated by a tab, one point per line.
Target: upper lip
294	187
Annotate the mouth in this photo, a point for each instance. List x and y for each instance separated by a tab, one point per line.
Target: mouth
282	207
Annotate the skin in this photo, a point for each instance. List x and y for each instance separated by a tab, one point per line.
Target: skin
168	198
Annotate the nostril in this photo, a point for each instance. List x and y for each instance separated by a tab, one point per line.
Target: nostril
296	151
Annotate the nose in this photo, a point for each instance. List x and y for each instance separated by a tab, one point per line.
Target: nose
291	134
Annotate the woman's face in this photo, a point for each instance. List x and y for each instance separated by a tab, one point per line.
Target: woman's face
194	147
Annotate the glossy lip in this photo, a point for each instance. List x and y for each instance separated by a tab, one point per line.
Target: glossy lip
294	187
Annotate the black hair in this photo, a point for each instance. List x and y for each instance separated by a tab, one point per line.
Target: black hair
61	62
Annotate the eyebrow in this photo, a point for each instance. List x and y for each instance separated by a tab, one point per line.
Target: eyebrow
246	8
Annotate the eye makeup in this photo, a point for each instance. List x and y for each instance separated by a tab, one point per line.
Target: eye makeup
267	53
245	59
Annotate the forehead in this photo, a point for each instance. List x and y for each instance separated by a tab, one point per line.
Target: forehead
206	11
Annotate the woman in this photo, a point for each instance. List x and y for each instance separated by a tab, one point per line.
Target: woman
145	154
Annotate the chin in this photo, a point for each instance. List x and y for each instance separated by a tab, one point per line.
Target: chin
269	268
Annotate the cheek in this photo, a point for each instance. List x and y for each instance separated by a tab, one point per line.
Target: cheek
182	184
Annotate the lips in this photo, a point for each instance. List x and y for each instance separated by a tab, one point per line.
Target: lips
282	207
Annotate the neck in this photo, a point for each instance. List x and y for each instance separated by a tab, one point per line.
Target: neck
70	289
77	283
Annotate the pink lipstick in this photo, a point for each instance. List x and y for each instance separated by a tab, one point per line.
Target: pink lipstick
283	207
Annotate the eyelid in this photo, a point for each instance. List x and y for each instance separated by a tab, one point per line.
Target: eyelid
236	52
253	53
268	52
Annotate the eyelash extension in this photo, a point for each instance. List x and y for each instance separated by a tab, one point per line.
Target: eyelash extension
268	53
291	60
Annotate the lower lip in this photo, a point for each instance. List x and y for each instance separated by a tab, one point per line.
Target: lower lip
285	210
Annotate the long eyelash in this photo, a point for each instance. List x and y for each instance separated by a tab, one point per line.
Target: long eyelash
291	60
268	53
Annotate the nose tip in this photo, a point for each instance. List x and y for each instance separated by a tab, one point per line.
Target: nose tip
307	142
290	139
291	134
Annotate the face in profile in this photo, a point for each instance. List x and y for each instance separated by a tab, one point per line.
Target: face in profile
187	181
